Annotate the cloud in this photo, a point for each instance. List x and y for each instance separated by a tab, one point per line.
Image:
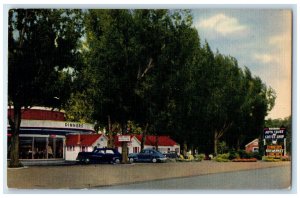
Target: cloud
222	24
264	58
275	68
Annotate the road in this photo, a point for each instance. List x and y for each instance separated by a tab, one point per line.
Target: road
105	175
260	179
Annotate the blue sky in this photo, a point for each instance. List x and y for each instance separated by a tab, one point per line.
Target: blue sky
259	39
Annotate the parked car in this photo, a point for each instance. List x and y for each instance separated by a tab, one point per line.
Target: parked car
147	155
99	155
172	155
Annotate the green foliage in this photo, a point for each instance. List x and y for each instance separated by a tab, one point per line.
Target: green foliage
222	147
222	157
145	69
42	52
233	155
199	157
270	159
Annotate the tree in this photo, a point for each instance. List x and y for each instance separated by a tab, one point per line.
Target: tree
130	54
41	44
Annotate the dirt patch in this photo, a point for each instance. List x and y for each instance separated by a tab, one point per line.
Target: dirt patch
80	176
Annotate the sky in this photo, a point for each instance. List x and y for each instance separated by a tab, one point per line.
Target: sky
259	39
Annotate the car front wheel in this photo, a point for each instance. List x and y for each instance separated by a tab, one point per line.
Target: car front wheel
87	161
117	161
131	160
154	160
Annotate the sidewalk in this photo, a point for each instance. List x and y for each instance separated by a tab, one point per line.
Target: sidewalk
91	176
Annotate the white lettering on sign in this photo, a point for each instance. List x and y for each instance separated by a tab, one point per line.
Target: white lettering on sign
124	138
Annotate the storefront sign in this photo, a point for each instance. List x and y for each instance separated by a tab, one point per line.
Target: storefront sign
274	133
73	125
274	150
124	138
56	124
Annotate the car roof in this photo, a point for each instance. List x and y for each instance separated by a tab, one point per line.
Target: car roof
105	149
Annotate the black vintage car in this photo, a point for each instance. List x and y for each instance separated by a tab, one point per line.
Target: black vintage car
99	155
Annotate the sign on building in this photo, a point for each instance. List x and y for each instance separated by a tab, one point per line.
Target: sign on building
124	138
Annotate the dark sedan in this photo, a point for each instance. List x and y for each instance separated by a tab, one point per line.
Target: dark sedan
100	155
147	155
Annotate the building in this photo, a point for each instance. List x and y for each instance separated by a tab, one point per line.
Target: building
43	133
165	143
83	143
133	146
252	146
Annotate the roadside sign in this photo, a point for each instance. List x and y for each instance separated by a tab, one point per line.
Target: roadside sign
124	138
274	150
274	133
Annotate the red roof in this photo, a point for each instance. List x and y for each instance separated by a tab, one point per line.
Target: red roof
150	140
85	139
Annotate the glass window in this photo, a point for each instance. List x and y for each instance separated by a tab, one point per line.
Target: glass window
55	147
8	146
110	151
25	148
59	148
40	151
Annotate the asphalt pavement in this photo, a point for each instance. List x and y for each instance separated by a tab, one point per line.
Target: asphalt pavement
277	178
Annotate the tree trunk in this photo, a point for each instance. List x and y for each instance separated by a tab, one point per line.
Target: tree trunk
124	146
156	142
144	134
110	137
15	127
184	148
216	140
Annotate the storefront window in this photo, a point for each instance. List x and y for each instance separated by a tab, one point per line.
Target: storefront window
55	148
8	146
40	151
25	148
38	147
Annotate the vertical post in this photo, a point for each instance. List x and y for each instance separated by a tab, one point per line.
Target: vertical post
284	144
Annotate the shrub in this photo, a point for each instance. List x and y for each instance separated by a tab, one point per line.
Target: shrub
199	157
245	155
222	157
270	159
233	155
245	160
257	155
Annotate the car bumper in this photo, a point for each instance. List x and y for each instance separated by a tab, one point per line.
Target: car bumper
164	159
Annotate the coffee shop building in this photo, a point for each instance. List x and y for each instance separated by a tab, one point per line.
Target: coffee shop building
43	133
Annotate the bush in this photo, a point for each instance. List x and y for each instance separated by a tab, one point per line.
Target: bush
245	155
233	155
257	155
245	160
222	157
199	157
270	159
